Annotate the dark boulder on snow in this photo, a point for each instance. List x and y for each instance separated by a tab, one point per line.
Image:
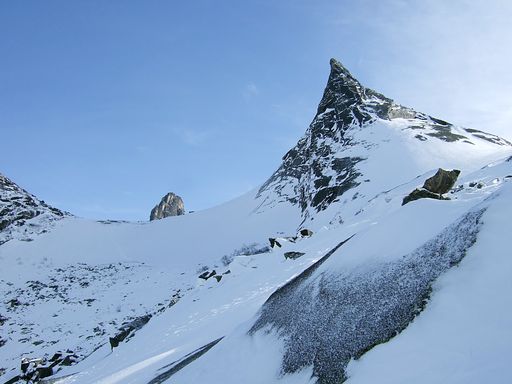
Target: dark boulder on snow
170	205
274	243
293	255
435	186
422	194
32	370
207	274
479	185
442	181
279	241
306	233
128	329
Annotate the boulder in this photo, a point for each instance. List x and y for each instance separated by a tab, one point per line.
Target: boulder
306	232
278	241
128	329
422	194
442	181
207	274
35	369
274	243
435	186
293	255
170	205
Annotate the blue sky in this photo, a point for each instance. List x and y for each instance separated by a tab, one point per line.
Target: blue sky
105	106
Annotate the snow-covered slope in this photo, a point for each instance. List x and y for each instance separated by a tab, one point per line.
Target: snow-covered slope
373	269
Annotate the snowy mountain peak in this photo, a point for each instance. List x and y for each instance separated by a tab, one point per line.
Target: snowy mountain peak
350	99
354	132
22	215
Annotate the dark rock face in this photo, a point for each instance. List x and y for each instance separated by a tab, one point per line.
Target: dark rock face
128	329
170	205
442	181
309	166
18	207
33	370
488	137
327	318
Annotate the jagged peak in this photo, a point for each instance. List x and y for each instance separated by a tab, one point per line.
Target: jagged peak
339	69
345	94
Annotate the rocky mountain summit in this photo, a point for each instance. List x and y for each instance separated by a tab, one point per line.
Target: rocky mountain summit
22	215
327	162
170	205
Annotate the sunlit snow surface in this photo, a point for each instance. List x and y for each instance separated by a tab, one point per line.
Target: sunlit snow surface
78	283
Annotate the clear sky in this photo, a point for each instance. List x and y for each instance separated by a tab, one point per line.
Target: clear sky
105	106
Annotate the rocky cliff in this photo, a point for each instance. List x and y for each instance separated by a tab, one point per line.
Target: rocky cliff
22	215
170	205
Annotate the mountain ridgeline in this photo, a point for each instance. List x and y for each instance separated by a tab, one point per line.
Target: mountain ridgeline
322	167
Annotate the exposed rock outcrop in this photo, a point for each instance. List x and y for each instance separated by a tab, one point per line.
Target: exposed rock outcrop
422	194
170	205
309	166
306	232
18	207
442	181
435	186
293	255
128	329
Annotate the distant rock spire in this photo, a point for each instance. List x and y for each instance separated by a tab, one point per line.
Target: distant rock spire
170	205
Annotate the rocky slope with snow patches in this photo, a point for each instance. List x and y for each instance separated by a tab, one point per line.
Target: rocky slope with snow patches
220	305
360	137
22	215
